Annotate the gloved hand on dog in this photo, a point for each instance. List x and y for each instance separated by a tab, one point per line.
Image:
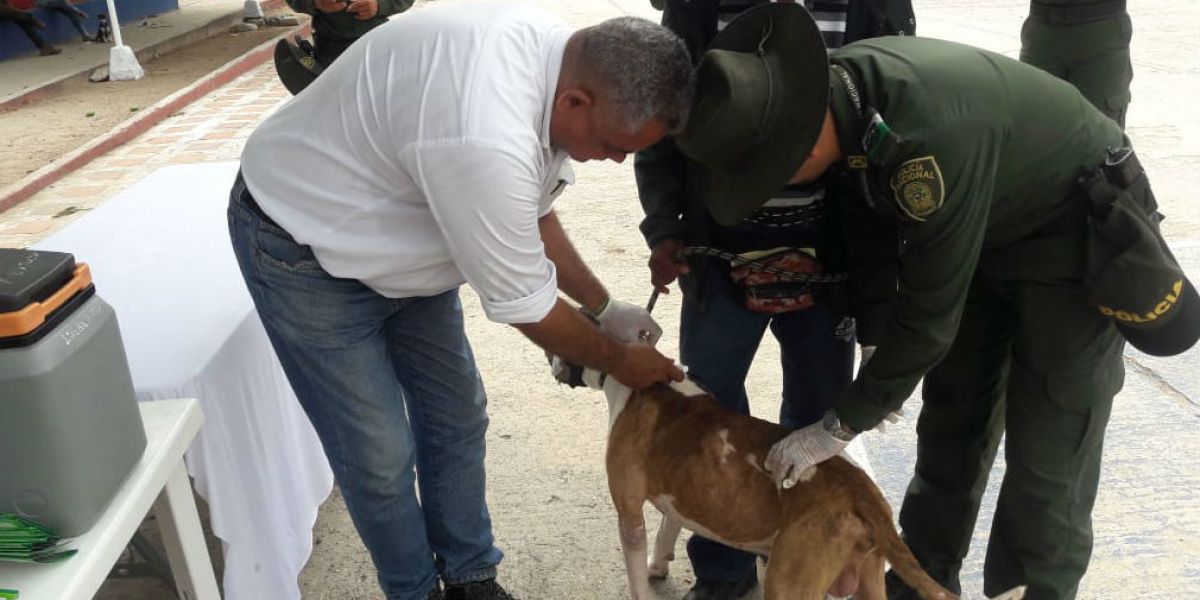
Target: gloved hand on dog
801	450
628	323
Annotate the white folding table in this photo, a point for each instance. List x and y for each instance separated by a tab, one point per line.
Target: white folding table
158	481
160	255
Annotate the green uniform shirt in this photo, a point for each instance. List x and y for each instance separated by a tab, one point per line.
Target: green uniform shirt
971	151
344	25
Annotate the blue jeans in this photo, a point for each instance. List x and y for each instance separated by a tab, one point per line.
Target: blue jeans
718	342
71	12
391	388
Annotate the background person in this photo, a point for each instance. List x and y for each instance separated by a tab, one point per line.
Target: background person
721	327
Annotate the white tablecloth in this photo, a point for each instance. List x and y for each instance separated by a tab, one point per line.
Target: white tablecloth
160	254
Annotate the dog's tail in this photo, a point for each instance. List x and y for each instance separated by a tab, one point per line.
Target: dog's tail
876	516
879	524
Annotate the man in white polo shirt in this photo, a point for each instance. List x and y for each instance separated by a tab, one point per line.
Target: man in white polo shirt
427	156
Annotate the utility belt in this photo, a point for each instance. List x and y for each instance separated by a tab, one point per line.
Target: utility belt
1076	15
770	263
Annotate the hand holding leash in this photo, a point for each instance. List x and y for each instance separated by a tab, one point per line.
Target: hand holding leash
667	263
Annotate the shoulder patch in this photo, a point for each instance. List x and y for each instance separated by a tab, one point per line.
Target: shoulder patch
918	187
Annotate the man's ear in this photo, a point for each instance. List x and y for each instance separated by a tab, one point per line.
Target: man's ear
574	99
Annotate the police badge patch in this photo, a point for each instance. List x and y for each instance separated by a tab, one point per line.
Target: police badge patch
918	188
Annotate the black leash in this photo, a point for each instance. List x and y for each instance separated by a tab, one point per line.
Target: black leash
784	275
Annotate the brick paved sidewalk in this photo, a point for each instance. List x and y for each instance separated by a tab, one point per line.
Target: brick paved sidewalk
213	129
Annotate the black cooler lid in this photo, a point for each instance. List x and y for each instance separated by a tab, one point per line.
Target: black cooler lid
28	276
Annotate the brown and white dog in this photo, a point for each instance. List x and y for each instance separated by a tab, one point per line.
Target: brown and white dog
701	465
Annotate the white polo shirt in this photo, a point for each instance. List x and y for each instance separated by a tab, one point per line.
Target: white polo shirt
421	158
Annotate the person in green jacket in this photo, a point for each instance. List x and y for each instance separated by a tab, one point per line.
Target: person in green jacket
337	23
1085	42
1013	195
723	319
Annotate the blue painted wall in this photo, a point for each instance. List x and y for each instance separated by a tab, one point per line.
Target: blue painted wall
58	31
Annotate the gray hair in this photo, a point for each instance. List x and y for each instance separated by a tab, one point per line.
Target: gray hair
642	68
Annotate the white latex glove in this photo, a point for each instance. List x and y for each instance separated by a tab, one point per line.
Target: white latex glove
803	449
629	323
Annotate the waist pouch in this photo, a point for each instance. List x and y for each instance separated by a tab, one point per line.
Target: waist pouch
765	283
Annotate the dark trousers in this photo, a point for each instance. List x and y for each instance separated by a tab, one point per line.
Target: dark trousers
68	10
718	345
329	48
1033	362
25	21
1093	56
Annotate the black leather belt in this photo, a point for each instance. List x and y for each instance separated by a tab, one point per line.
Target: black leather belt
1076	15
248	201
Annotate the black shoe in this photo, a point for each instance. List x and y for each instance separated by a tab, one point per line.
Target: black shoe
487	589
711	589
436	594
898	590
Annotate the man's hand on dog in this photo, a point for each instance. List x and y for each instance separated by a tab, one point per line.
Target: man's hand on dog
641	366
800	451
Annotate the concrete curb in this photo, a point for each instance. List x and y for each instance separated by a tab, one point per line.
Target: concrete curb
43	177
214	27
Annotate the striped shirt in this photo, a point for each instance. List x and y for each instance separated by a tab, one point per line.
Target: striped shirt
830	16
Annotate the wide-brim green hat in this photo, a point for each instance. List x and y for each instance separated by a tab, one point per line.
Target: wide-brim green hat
762	90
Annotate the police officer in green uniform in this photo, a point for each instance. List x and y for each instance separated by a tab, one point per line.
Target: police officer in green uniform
1005	296
1085	42
337	23
727	311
